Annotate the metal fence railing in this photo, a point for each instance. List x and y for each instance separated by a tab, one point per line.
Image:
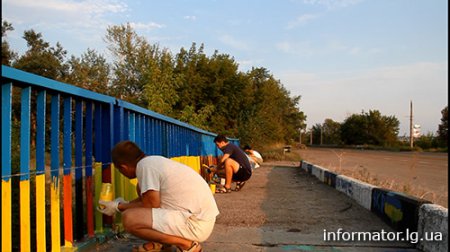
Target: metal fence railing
56	143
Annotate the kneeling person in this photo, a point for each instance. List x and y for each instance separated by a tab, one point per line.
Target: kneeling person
175	205
234	164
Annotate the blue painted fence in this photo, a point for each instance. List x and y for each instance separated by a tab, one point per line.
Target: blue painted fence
64	131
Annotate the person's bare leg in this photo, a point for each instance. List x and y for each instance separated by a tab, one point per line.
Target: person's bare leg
231	167
139	222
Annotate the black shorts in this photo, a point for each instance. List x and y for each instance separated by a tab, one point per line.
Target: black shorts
242	174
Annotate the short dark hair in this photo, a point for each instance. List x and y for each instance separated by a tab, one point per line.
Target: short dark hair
126	152
247	147
220	138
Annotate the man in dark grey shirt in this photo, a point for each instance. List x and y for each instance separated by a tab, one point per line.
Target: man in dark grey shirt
234	164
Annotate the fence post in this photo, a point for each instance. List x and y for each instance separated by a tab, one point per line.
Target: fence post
40	172
6	167
98	188
54	189
79	220
25	228
88	164
67	179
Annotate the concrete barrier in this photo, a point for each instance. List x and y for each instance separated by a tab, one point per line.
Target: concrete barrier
304	165
319	172
329	178
309	168
433	221
402	212
359	191
399	210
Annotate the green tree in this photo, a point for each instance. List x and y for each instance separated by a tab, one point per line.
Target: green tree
382	130
206	91
443	128
7	54
317	133
331	132
354	129
192	68
209	88
197	118
160	88
427	141
272	114
132	57
91	72
41	58
370	128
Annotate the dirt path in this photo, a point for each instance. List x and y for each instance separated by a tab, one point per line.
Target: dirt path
416	173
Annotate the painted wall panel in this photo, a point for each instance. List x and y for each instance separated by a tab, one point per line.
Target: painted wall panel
359	191
398	210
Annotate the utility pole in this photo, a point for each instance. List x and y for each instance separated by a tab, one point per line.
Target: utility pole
411	135
310	137
300	138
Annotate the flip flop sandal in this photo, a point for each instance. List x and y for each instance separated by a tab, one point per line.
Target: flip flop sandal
195	247
141	248
239	185
223	189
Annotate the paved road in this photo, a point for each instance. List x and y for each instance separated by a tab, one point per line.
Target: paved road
418	172
282	208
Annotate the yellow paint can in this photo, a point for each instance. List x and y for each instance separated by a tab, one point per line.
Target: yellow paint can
213	188
106	193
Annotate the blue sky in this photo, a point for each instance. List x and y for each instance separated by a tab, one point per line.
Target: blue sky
341	56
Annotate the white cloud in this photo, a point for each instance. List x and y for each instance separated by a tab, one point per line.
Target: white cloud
146	26
193	18
61	8
332	4
301	20
302	48
233	42
88	16
307	48
246	65
67	21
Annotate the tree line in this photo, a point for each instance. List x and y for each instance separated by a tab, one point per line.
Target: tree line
374	129
208	92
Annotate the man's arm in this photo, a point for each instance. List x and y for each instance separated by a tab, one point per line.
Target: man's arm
149	199
222	161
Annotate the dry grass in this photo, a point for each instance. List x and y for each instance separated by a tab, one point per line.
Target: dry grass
407	188
276	153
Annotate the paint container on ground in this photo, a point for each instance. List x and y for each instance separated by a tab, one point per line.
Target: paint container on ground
213	188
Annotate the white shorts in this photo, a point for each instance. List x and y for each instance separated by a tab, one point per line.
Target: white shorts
181	224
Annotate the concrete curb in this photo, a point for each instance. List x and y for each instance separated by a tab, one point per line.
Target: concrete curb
359	191
403	212
319	172
433	219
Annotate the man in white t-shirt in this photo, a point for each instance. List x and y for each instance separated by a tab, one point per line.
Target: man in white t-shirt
255	158
175	204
